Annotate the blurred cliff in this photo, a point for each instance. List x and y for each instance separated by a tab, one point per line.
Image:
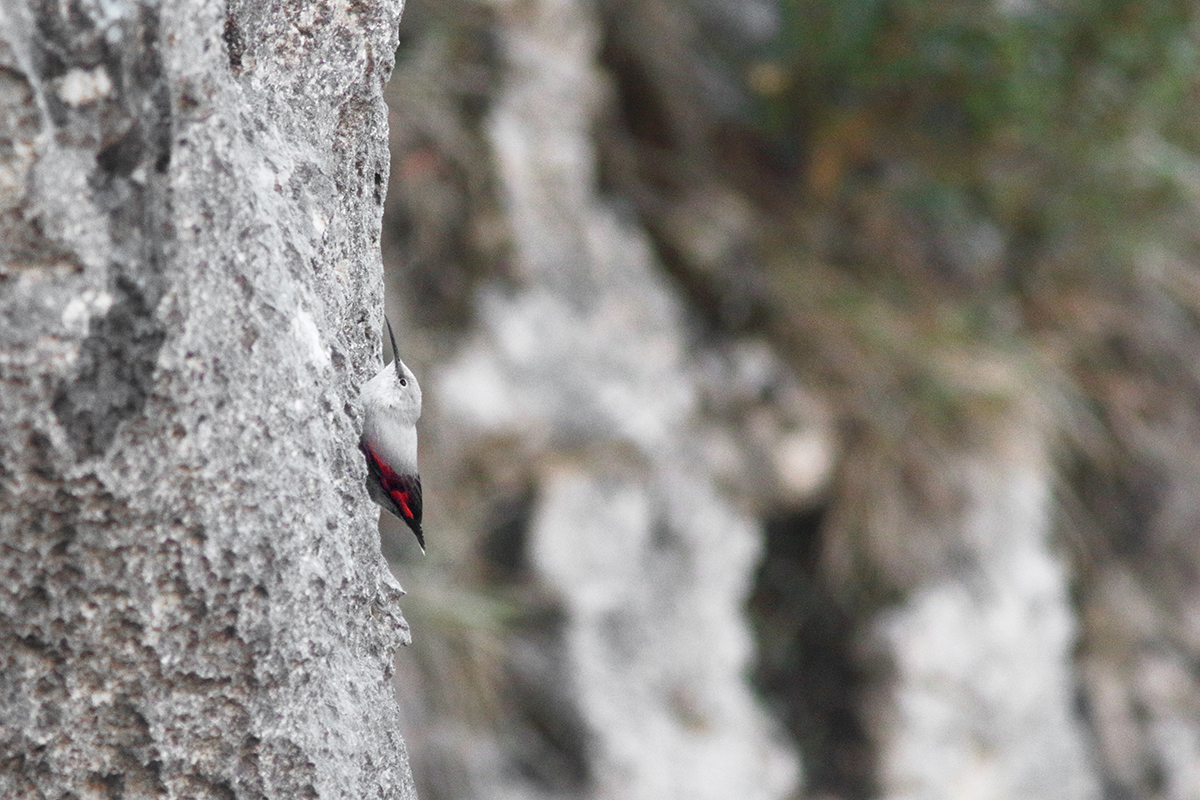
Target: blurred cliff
812	398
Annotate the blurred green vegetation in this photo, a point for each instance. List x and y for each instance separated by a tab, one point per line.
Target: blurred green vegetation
1015	179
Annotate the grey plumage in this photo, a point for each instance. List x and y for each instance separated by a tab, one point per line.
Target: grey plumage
391	404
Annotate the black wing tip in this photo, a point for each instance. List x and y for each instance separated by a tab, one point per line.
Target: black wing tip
420	536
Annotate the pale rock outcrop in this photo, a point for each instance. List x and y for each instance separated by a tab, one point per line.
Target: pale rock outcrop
587	365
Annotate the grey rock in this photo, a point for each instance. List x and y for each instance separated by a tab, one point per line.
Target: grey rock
194	599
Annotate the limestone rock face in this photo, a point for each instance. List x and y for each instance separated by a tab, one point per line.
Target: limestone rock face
194	600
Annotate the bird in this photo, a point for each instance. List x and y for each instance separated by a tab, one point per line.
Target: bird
391	403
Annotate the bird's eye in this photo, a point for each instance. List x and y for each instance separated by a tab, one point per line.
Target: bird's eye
403	382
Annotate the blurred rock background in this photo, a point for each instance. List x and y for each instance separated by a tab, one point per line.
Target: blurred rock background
812	397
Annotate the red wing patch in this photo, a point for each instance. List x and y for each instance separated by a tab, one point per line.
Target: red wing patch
408	498
401	499
399	494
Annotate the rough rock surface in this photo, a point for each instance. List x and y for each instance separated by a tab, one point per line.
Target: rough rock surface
194	602
587	366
